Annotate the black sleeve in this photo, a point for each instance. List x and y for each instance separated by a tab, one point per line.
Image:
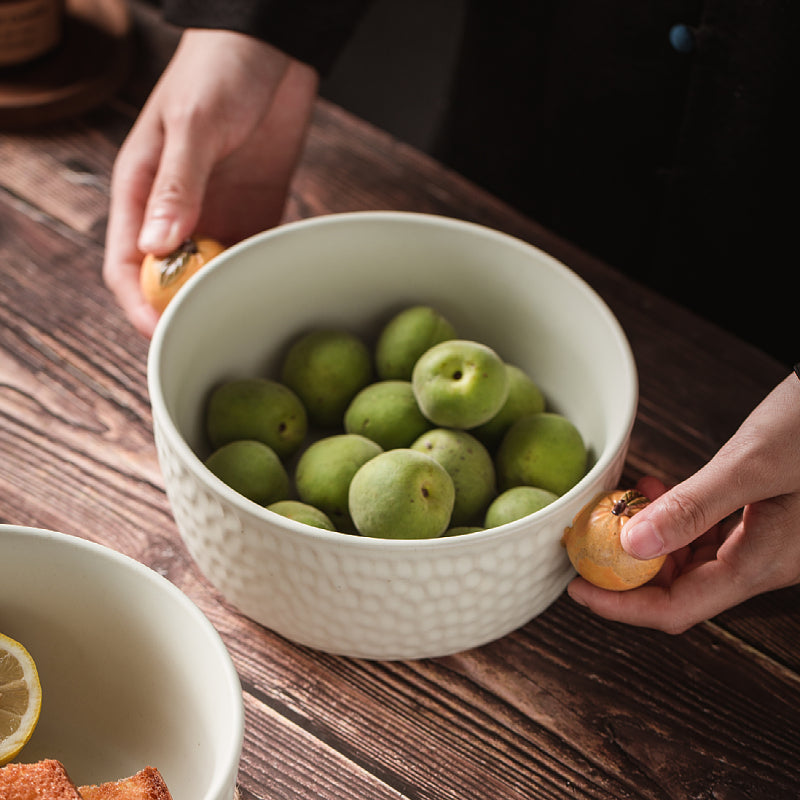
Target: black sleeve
313	31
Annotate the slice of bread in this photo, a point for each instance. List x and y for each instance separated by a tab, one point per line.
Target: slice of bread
48	780
147	784
44	780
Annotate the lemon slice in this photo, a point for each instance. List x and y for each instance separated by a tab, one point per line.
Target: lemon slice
20	698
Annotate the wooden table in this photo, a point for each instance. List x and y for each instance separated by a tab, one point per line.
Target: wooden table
568	706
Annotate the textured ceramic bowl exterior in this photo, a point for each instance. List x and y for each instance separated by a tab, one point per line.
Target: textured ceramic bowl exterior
132	673
353	595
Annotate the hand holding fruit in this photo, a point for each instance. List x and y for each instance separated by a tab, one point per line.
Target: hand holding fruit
213	150
717	557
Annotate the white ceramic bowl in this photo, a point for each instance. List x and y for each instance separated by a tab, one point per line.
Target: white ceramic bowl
132	673
353	595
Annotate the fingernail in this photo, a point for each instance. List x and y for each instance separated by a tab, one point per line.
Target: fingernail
641	540
579	600
157	235
575	596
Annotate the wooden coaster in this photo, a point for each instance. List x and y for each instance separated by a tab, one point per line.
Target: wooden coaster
86	68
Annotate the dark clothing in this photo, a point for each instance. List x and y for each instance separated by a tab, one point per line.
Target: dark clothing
678	168
313	31
672	161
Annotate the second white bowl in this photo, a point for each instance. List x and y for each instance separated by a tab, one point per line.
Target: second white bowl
132	673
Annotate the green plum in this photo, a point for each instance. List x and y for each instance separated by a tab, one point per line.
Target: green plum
406	337
401	494
544	450
460	383
386	412
326	368
324	471
302	512
524	397
515	503
470	466
252	469
256	408
460	530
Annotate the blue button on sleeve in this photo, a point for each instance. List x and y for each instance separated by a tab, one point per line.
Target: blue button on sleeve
681	38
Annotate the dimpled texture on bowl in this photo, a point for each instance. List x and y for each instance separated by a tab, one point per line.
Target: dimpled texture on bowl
353	595
132	673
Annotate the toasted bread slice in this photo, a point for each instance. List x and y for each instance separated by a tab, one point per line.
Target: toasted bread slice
44	780
147	784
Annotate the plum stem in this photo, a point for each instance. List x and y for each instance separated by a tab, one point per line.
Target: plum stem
629	504
175	263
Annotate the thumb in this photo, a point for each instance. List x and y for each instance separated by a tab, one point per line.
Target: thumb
682	514
176	198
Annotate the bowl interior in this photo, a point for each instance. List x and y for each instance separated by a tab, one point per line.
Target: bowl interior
132	673
354	270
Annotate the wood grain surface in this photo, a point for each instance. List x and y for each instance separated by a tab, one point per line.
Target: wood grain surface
568	706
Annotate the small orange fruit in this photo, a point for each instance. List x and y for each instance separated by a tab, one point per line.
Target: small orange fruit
594	548
160	278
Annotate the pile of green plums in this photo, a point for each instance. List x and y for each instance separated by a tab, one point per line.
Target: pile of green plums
418	435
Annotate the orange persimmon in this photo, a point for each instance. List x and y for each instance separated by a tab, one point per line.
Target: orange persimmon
160	278
593	543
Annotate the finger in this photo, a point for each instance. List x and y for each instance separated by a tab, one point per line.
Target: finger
651	487
176	199
131	181
678	516
696	596
127	291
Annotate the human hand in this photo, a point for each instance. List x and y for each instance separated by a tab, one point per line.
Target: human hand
718	557
212	151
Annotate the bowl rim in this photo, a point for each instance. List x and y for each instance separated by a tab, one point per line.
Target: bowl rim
164	423
233	748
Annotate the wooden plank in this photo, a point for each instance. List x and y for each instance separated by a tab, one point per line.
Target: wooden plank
568	706
61	178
